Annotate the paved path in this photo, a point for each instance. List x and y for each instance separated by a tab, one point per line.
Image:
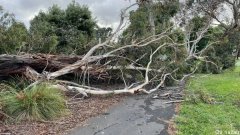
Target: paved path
137	115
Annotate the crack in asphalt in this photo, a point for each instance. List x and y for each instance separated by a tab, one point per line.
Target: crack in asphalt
105	128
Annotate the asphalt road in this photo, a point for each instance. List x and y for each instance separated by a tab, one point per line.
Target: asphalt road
137	115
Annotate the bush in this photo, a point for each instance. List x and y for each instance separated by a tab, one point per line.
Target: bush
221	55
41	102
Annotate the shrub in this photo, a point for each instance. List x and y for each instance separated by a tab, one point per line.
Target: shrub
220	53
41	102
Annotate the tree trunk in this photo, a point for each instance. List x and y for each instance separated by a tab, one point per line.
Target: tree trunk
151	16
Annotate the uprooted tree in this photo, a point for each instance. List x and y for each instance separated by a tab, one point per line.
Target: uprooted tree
167	54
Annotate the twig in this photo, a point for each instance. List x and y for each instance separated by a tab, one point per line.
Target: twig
175	101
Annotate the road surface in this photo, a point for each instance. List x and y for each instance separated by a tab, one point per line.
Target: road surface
137	115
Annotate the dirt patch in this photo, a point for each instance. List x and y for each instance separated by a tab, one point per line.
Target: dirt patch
172	128
177	108
80	112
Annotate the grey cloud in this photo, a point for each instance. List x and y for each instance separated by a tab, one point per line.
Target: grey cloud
105	11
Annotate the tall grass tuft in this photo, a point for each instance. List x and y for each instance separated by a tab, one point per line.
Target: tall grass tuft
41	102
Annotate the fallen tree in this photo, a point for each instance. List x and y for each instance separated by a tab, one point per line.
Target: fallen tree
9	63
48	68
41	63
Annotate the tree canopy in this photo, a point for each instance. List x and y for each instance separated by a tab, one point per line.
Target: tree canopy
63	31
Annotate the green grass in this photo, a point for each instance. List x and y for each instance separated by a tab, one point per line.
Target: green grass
206	119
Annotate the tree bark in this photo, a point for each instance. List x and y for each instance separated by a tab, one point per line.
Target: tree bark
19	64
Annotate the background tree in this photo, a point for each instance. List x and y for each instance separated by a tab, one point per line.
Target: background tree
223	12
13	34
63	31
140	24
102	33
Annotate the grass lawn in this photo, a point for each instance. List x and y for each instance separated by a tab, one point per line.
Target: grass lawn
211	119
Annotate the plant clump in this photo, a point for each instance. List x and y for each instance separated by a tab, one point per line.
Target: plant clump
40	102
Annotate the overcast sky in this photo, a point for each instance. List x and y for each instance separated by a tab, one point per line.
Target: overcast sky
105	11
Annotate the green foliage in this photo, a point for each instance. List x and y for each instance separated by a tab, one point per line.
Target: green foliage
139	23
220	53
6	19
13	35
103	33
164	11
140	27
41	102
14	38
205	119
62	31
